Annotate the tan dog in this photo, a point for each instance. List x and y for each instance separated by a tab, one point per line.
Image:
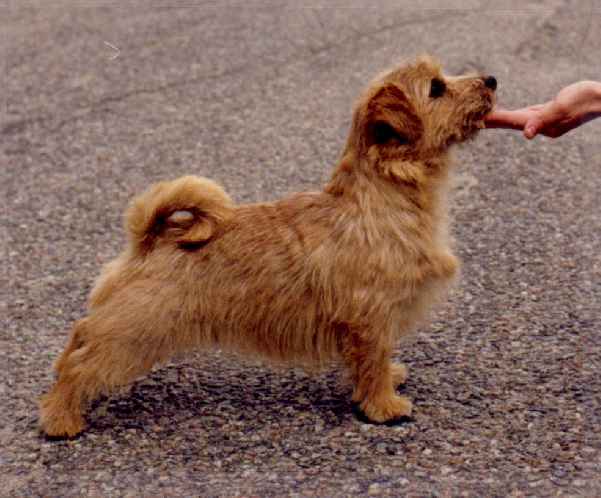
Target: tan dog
316	277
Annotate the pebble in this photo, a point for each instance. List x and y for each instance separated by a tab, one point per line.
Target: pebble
374	489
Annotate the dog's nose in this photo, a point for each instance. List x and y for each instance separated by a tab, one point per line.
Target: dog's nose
490	82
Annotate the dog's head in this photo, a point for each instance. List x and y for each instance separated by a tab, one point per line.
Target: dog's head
415	112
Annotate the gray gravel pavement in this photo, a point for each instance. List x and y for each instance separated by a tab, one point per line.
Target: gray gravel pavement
506	380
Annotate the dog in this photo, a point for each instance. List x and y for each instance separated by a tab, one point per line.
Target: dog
332	276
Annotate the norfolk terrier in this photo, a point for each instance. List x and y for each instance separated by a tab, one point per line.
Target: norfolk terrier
332	276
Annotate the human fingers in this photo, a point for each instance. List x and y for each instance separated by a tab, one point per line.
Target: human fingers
503	118
550	119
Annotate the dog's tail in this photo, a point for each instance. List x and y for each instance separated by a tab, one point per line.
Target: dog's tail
185	211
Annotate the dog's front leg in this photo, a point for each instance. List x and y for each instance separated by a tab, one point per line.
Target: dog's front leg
367	356
399	373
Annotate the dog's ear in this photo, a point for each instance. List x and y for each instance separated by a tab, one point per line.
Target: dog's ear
391	118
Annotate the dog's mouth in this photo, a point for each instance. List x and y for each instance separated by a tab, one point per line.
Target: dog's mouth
475	120
478	119
471	122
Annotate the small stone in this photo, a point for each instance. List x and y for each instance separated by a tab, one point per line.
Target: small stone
374	489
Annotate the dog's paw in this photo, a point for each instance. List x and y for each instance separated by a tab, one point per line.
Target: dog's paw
58	424
399	373
384	410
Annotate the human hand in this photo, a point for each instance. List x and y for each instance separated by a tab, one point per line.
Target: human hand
573	106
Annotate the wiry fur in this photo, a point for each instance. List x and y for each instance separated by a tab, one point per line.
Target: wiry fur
334	275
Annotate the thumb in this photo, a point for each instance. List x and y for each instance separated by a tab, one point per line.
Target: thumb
532	127
545	117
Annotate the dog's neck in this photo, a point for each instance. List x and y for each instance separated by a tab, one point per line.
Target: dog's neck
382	206
406	185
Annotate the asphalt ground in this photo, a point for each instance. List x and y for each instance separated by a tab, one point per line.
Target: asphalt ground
257	95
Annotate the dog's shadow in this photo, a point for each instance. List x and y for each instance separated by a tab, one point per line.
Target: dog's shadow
221	392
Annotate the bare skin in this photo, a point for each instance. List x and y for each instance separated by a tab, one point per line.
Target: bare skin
574	105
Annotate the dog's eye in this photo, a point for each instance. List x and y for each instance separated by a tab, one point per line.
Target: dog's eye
384	133
437	88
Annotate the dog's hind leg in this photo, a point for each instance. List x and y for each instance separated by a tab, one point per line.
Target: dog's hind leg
102	354
374	376
75	342
60	409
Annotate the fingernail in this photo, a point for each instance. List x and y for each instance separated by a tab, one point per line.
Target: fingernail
530	131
